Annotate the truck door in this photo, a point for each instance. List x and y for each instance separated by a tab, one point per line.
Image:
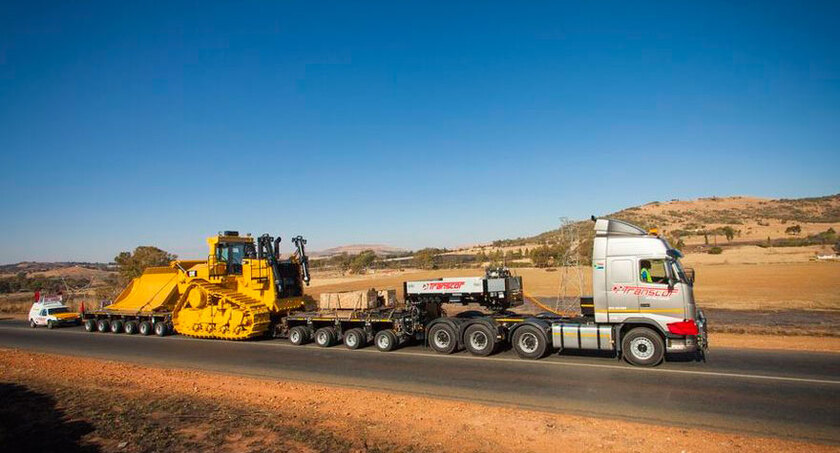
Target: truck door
622	300
655	297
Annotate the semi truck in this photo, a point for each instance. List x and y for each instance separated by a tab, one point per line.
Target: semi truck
642	304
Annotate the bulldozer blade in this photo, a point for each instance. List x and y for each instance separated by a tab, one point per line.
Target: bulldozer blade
156	289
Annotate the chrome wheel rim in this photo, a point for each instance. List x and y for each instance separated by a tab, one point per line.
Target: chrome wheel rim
295	336
322	338
442	339
383	341
478	340
642	348
528	342
351	340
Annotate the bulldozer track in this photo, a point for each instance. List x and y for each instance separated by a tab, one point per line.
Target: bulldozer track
225	315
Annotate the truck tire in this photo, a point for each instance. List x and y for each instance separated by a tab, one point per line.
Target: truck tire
643	347
480	340
103	325
355	338
442	338
145	328
90	325
32	323
130	327
116	326
50	324
529	342
161	329
325	337
385	340
299	335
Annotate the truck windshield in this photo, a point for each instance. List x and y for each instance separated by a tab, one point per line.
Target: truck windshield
53	311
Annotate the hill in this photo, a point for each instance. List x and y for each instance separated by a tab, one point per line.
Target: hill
750	219
355	249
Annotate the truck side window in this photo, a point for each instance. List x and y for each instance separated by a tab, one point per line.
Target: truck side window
43	313
652	271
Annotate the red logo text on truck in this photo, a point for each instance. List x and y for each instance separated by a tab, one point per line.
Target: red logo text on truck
442	285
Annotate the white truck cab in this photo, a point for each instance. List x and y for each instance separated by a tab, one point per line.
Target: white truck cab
50	311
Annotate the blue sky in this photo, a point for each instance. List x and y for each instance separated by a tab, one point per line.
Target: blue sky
411	124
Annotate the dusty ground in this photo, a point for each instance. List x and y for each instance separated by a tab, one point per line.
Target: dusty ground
87	405
780	342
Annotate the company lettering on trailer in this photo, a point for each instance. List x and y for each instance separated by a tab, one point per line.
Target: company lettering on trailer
644	291
442	285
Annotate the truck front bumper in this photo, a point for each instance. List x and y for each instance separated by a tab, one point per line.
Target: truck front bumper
691	343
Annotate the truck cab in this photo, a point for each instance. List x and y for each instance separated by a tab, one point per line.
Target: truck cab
639	282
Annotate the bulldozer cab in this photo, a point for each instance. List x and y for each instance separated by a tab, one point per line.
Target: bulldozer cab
227	251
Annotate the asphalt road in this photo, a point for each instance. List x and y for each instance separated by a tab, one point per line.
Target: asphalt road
784	394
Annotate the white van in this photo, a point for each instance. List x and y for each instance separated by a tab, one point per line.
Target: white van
51	312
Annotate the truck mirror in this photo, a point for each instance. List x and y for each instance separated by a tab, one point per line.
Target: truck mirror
671	283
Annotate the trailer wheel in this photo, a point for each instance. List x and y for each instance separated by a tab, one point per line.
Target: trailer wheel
480	340
298	335
161	329
385	340
103	325
130	327
145	328
325	337
529	342
442	338
90	325
643	347
354	338
116	326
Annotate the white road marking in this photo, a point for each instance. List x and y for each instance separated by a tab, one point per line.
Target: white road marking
556	362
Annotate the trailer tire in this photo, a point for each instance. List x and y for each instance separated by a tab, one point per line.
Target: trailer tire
103	325
90	325
480	340
643	346
529	342
325	337
298	335
385	340
161	329
130	327
116	326
442	338
355	338
145	328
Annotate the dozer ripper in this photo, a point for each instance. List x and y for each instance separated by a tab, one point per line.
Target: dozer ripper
241	291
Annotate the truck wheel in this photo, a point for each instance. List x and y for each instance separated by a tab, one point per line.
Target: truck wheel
643	347
103	325
442	338
529	342
50	324
354	338
32	323
116	326
480	340
161	329
90	325
298	335
325	337
385	340
145	328
130	327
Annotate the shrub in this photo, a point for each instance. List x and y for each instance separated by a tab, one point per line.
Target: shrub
715	251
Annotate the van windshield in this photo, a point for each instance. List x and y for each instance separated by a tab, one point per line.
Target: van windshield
53	311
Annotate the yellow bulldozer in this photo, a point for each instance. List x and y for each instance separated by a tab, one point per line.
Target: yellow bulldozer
241	291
